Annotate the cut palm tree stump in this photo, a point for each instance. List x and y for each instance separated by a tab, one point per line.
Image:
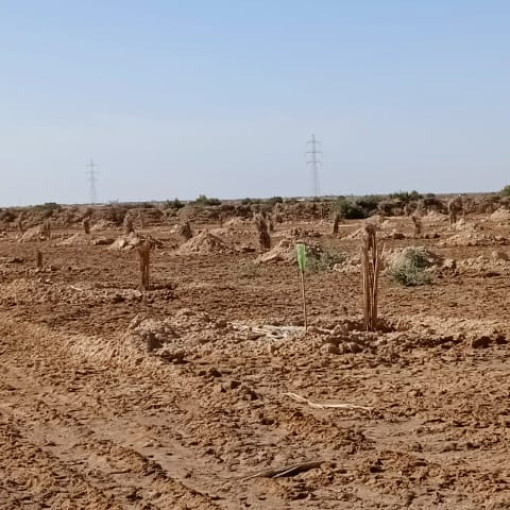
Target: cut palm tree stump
455	207
418	226
185	231
39	260
370	269
263	232
336	223
127	225
144	254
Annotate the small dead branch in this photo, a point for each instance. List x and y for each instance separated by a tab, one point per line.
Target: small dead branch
290	470
314	405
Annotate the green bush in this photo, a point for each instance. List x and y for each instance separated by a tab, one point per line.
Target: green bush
505	191
406	196
174	204
350	210
324	261
410	269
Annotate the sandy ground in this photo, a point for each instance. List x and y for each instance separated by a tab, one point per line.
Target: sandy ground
91	418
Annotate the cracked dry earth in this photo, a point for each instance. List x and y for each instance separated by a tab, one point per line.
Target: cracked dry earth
89	419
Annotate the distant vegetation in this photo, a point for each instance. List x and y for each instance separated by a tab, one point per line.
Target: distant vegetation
204	200
505	191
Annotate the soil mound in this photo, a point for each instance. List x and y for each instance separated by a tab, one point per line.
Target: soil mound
125	243
471	238
103	225
285	251
205	243
435	216
501	215
427	257
84	240
33	234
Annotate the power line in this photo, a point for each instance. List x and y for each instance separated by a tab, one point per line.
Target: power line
314	161
92	178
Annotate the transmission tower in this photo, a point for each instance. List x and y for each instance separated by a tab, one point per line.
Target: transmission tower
314	161
92	178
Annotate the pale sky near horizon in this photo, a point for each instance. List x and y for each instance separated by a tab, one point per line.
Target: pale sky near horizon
175	99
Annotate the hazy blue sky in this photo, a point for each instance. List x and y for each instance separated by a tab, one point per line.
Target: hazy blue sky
177	98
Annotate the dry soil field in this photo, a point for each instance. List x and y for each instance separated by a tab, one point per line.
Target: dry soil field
113	398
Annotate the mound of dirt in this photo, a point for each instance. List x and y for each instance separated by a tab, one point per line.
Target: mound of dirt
125	243
501	214
236	221
205	243
84	240
471	238
285	251
435	216
103	225
33	234
427	257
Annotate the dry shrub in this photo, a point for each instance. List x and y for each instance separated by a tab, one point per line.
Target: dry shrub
263	232
185	231
370	267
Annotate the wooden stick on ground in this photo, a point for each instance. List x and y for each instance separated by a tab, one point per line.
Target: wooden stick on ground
290	470
314	405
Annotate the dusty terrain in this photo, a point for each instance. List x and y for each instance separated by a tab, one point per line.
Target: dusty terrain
91	418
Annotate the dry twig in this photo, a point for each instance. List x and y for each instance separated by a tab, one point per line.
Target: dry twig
314	405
